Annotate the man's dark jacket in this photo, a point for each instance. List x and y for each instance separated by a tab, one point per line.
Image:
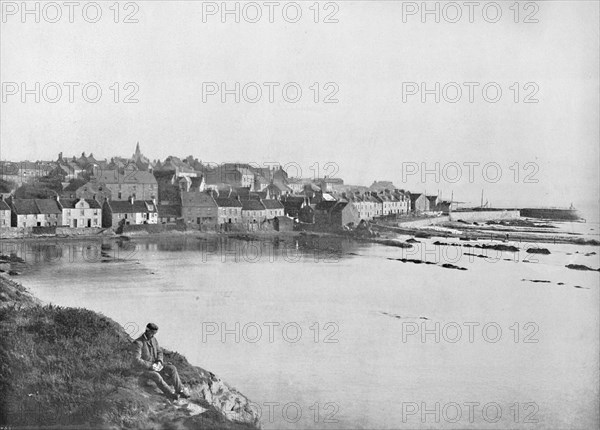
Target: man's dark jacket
147	352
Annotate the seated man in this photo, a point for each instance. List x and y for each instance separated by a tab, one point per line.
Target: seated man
149	357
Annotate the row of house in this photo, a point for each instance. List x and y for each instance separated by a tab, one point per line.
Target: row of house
372	204
209	209
76	213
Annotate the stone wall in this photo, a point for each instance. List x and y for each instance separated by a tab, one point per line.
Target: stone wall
484	215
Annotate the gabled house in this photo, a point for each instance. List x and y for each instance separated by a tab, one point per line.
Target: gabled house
274	208
433	203
35	213
136	184
277	189
419	203
292	205
332	216
199	210
4	214
168	214
93	190
229	210
404	201
131	211
390	204
81	213
366	207
253	212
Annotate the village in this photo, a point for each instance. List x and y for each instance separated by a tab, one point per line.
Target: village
84	194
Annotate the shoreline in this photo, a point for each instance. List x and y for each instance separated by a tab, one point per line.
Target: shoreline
457	230
139	235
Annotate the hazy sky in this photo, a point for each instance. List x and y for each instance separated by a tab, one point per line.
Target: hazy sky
368	54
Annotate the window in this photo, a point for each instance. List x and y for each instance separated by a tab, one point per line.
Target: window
82	212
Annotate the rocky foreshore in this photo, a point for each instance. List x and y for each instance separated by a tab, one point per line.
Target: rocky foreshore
72	368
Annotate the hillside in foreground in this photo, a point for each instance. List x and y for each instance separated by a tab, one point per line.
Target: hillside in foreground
72	368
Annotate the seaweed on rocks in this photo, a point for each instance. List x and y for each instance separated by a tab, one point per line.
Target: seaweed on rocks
542	251
396	243
581	267
452	266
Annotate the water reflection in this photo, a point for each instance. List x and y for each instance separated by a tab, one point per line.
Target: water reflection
223	248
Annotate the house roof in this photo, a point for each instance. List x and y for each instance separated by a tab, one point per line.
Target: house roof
138	206
70	203
71	187
165	175
194	198
169	211
4	206
252	205
25	206
28	165
131	177
325	205
93	187
432	198
279	186
293	202
272	204
48	206
228	202
36	206
339	206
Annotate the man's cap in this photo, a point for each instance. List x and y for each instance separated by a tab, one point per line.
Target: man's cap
152	326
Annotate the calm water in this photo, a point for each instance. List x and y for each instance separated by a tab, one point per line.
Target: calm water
327	335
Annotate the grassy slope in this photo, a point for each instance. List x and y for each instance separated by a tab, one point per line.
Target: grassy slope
72	367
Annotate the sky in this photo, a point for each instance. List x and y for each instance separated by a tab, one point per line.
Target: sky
536	154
